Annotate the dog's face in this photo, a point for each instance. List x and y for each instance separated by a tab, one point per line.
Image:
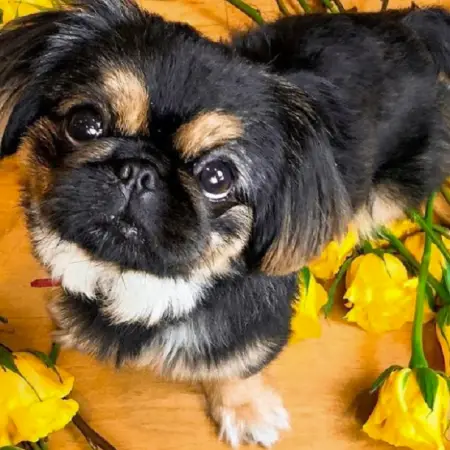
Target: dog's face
150	148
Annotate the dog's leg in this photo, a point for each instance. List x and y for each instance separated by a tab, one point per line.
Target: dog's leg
246	410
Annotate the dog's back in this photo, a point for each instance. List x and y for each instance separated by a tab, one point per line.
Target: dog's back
432	25
286	43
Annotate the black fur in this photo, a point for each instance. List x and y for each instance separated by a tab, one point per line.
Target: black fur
382	70
334	108
233	324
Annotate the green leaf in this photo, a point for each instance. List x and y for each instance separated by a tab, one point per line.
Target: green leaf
43	357
443	320
54	352
428	382
10	447
334	285
443	316
383	377
7	360
446	276
305	275
430	298
47	360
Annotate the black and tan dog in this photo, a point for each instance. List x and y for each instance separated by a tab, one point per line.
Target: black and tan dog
175	185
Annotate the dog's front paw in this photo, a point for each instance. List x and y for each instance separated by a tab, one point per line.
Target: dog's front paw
247	411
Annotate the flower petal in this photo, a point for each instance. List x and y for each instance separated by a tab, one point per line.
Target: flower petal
41	419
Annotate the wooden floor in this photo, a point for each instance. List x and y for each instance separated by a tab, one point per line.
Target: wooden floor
322	381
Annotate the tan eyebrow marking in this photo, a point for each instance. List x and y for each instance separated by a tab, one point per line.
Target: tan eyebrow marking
205	131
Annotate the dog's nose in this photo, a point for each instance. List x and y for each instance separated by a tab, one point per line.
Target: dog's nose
137	176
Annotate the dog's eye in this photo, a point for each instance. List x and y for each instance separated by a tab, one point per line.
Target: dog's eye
216	179
84	124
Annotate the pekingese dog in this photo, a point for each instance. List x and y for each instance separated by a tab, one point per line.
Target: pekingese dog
174	185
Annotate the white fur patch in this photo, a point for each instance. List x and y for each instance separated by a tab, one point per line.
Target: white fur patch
247	411
265	432
135	296
129	296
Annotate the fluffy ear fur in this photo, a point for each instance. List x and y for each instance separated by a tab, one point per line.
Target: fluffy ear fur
24	46
310	205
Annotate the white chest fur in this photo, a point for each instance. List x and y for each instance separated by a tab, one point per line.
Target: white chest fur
127	296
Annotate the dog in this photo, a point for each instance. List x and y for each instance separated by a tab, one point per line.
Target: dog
175	185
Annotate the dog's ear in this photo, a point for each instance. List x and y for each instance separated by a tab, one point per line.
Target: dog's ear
28	46
23	44
24	112
310	205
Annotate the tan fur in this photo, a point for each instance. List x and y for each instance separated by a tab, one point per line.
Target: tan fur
206	131
283	257
223	249
129	98
380	210
443	78
37	177
90	152
72	102
237	393
7	103
246	410
233	367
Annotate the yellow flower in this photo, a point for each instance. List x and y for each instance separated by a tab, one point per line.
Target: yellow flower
311	298
380	294
16	8
443	335
326	266
400	229
33	406
415	245
402	418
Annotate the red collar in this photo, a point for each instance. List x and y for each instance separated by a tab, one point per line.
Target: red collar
45	282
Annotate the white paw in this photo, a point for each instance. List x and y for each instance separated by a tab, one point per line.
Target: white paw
263	429
255	415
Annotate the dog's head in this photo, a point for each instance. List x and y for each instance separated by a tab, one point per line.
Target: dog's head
149	148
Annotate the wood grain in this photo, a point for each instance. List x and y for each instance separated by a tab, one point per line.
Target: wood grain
323	381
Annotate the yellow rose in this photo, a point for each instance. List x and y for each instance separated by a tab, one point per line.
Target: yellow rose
415	245
16	8
33	405
326	266
311	298
402	418
400	229
380	294
443	336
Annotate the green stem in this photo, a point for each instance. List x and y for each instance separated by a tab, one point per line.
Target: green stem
305	6
35	446
332	290
330	6
446	194
251	12
429	231
283	8
94	440
418	358
43	445
54	352
442	230
406	254
340	6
